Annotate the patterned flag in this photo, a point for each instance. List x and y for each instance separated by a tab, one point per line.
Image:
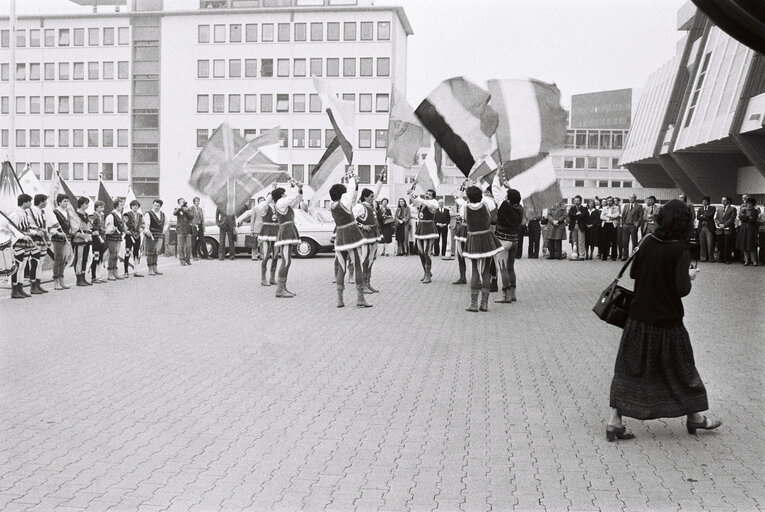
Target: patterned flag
329	166
30	183
457	113
404	132
222	172
342	115
10	188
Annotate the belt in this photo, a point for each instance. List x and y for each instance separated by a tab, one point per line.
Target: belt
347	225
479	232
270	223
425	220
287	222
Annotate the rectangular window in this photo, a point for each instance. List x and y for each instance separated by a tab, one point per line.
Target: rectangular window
618	140
329	136
63	104
616	184
626	184
234	103
568	162
365	173
298	102
581	140
298	138
21	38
50	71
250	103
108	73
349	96
203	69
4	101
383	103
299	32
592	162
203	33
250	134
122	70
79	37
593	140
108	36
21	138
383	66
697	89
49	137
63	169
250	68
365	138
267	67
92	70
92	138
333	67
604	162
34	104
298	67
122	172
605	140
123	35
34	138
383	30
378	172
21	104
578	183
282	67
219	33
367	30
107	138
50	37
366	66
251	32
314	138
614	163
267	32
63	71
92	104
219	68
349	67
63	37
316	67
34	38
579	162
266	102
282	102
4	72
349	31
4	137
107	171
284	138
298	172
219	103
63	138
50	104
78	138
93	34
21	71
122	138
203	103
284	32
108	105
317	31
92	171
234	68
123	104
78	171
235	33
5	38
78	71
314	103
333	31
381	139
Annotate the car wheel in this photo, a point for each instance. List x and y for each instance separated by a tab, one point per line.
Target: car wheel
306	249
211	245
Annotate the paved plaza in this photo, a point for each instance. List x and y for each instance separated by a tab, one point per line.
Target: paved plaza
199	391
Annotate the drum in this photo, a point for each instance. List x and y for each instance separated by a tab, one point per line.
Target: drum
7	259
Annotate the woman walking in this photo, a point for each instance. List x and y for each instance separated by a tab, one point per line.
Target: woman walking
655	374
403	215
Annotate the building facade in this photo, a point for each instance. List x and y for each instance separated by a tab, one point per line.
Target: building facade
181	72
699	124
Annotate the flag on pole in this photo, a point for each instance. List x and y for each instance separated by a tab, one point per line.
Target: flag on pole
431	174
342	115
328	166
30	183
103	195
457	113
404	132
222	171
535	179
10	188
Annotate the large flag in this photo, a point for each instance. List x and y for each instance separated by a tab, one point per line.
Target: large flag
103	195
59	186
535	179
222	171
431	174
404	132
30	183
342	115
329	166
10	188
457	113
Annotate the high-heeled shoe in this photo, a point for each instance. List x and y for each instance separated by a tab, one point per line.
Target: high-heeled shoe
703	425
613	433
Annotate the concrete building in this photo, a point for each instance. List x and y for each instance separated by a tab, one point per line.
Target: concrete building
165	74
699	125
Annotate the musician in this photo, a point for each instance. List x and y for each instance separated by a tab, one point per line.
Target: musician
38	223
154	235
24	248
98	244
81	241
426	233
114	227
134	227
60	234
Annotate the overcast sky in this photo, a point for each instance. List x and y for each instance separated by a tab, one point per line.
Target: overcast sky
581	45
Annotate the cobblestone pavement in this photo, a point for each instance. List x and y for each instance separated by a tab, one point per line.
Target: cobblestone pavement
198	390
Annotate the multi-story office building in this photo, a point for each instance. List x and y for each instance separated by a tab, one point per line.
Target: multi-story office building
699	125
164	78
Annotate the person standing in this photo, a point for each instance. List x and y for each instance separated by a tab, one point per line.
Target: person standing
460	236
227	225
287	236
267	237
115	230
578	218
535	233
632	217
510	218
24	248
749	237
425	233
386	225
441	217
98	244
593	229
183	231
39	235
655	375
649	213
726	220
610	216
481	245
133	234
198	246
60	235
556	221
81	242
403	216
256	224
706	217
155	224
366	216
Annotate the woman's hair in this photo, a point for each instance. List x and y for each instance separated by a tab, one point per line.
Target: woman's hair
751	200
513	196
674	221
82	200
60	198
135	202
277	194
384	200
400	199
474	194
336	191
98	204
364	194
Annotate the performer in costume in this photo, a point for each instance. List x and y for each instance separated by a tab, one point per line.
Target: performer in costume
369	225
267	238
348	238
60	233
154	236
460	234
24	247
39	228
81	241
98	244
426	233
134	227
510	217
287	235
115	229
481	245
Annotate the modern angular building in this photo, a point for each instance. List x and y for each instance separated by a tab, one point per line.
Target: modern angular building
135	94
699	124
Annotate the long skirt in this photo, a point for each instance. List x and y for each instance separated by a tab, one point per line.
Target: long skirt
655	374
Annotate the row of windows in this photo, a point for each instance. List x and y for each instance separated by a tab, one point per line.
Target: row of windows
75	138
585	162
293	32
67	104
66	37
595	139
67	70
314	137
366	67
235	105
79	171
603	183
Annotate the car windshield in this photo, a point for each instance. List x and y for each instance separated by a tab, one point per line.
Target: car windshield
322	216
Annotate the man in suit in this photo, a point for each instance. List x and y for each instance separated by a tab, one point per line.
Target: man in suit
441	218
649	216
198	246
725	220
706	217
578	217
227	225
632	217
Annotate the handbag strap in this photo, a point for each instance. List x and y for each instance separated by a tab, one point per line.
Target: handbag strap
632	256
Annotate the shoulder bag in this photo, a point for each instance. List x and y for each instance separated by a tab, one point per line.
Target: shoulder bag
613	305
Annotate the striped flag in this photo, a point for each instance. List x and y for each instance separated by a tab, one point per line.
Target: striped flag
404	132
329	165
457	113
535	179
342	115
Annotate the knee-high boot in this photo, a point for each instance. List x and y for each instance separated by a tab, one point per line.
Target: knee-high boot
463	268
473	308
361	302
340	290
484	300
